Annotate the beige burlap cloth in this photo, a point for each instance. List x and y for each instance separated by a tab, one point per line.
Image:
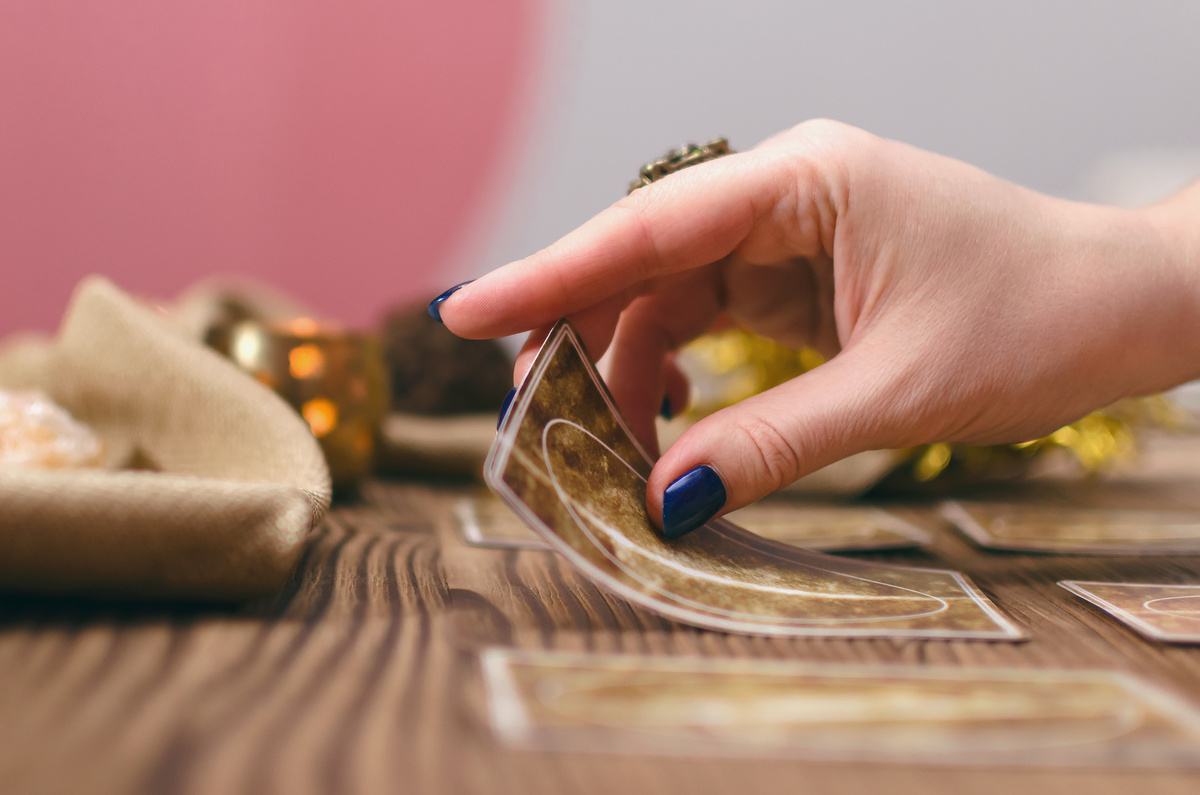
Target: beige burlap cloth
230	484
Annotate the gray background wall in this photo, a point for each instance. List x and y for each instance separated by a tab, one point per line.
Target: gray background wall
1078	99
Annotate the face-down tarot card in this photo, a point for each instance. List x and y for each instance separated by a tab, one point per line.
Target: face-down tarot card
565	461
485	521
1076	531
783	708
827	527
1169	613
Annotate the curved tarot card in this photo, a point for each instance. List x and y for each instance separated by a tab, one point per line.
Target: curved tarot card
565	461
1170	613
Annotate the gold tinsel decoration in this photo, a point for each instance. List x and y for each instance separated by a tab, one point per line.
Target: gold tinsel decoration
732	365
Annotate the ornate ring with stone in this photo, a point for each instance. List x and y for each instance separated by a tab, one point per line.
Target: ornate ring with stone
678	159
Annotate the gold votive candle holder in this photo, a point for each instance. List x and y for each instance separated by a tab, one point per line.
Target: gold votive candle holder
334	378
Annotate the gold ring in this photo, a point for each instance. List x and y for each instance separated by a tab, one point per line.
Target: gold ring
678	159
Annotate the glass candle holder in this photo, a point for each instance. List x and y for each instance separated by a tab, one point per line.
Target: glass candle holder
334	378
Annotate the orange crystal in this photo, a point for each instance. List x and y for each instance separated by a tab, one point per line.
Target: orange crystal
36	433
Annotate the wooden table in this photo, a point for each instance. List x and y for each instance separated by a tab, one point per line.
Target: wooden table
362	675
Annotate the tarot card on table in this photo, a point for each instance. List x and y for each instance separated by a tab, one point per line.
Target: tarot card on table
827	527
565	461
1169	613
1076	531
775	708
485	521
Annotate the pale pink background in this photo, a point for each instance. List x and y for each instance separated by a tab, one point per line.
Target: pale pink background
340	150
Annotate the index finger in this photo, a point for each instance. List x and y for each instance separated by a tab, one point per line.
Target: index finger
690	219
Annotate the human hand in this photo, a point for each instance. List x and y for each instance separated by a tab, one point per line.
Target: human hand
955	307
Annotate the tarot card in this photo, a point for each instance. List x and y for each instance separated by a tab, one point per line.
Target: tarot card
1170	613
485	521
773	708
565	461
1077	531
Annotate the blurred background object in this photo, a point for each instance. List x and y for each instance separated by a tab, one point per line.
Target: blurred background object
1040	93
362	155
334	378
412	400
342	151
1139	176
446	394
729	366
434	372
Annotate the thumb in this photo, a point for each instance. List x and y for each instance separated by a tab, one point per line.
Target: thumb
746	451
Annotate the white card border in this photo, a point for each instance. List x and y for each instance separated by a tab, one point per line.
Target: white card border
469	527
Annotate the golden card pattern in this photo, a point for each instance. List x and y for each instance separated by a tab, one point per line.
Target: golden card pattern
1076	531
1168	613
565	461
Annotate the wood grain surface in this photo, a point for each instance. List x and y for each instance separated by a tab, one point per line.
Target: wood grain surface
362	675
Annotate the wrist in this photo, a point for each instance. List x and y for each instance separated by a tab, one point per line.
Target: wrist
1137	291
1177	224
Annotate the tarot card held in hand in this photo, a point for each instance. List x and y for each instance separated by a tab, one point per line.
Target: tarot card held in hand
485	521
1169	613
1076	531
565	461
775	708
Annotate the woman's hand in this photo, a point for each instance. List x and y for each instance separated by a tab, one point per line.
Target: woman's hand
956	307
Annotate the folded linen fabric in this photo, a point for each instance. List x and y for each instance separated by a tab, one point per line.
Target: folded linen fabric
227	479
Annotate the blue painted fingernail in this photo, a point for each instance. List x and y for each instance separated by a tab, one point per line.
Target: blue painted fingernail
435	306
504	407
665	411
691	501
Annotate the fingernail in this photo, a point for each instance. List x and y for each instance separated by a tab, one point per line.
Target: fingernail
504	407
435	306
665	411
691	501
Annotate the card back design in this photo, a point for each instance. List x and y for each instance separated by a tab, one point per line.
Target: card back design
1169	613
1076	531
774	708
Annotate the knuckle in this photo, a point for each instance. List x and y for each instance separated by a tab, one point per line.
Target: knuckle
829	133
775	459
647	256
819	161
833	147
823	128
